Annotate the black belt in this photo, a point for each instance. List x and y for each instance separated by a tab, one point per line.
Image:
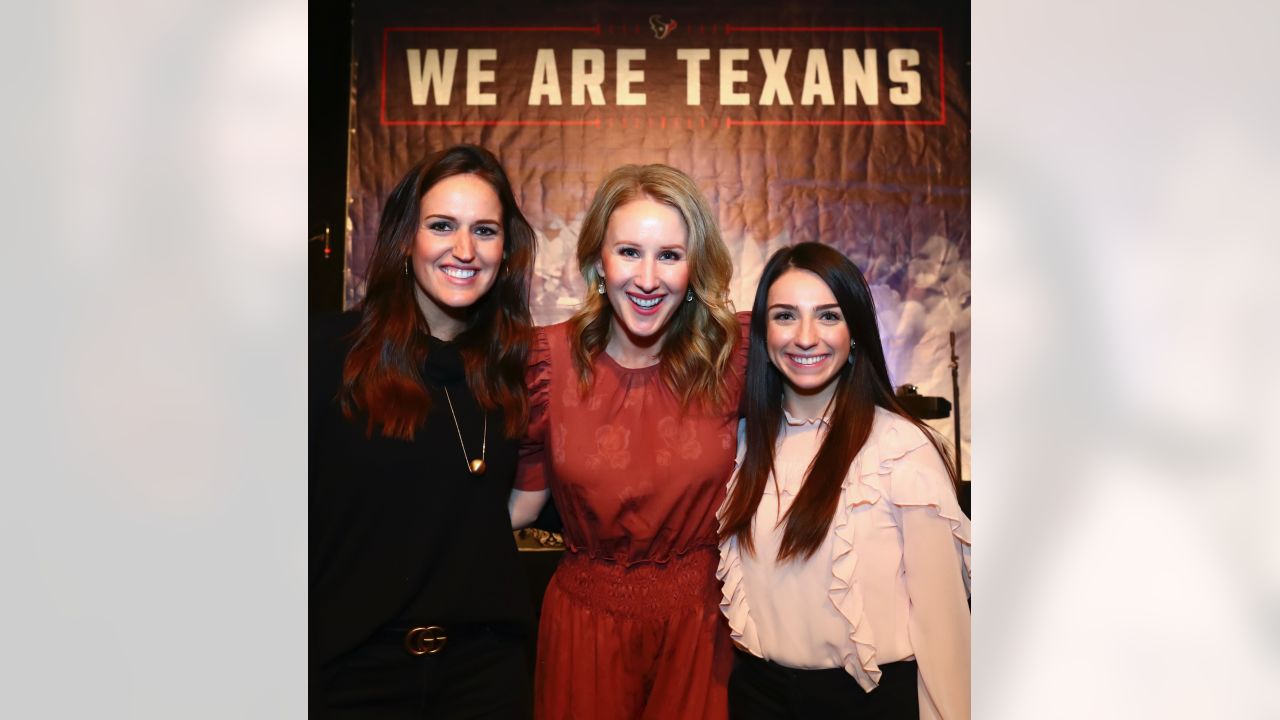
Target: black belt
432	639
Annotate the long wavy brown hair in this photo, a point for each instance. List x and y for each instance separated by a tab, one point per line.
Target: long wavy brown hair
381	377
862	387
701	337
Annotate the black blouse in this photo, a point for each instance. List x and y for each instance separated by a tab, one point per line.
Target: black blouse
401	533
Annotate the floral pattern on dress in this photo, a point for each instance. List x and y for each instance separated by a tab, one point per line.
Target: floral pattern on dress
612	448
678	446
559	439
571	395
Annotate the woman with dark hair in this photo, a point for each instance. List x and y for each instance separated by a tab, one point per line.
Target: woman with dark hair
844	553
634	405
418	401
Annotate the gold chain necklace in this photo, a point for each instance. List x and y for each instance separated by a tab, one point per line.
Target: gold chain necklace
476	466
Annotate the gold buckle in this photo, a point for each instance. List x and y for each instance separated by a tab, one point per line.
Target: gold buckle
425	640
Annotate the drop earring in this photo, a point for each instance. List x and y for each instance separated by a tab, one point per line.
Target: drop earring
406	267
600	286
688	297
853	346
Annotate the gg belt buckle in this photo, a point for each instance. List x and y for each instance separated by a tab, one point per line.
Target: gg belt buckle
425	640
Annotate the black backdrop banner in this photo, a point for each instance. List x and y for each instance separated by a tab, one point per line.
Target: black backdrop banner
828	122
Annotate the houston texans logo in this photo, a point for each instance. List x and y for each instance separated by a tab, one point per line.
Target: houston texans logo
661	28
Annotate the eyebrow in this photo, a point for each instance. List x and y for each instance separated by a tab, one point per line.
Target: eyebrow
660	247
784	306
442	216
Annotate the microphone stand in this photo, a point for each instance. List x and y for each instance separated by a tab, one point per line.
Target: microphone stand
955	395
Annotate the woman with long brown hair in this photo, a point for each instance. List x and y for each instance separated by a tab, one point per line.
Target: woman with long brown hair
634	408
844	552
418	403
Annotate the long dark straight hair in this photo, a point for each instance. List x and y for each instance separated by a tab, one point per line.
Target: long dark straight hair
381	376
861	387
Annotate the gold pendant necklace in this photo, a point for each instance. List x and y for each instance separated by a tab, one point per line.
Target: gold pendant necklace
476	465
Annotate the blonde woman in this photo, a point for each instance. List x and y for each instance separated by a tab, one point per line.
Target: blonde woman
634	407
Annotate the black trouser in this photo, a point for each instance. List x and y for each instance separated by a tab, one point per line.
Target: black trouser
481	673
759	689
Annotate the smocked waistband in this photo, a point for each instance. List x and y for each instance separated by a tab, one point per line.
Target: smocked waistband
645	589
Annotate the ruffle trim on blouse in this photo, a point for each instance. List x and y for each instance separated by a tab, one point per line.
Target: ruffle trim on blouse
799	422
866	485
733	602
733	594
917	488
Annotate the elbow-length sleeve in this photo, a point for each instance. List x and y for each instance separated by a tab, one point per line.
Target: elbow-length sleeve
531	473
738	363
744	344
936	547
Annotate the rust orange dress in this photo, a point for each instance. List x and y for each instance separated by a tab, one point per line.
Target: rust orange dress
631	625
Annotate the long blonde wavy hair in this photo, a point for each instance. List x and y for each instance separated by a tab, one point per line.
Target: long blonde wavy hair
701	337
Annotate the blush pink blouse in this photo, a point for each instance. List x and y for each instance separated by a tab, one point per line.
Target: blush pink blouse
890	582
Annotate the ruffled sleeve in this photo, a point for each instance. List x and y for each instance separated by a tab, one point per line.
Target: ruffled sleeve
936	557
864	485
531	473
920	480
899	464
733	602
